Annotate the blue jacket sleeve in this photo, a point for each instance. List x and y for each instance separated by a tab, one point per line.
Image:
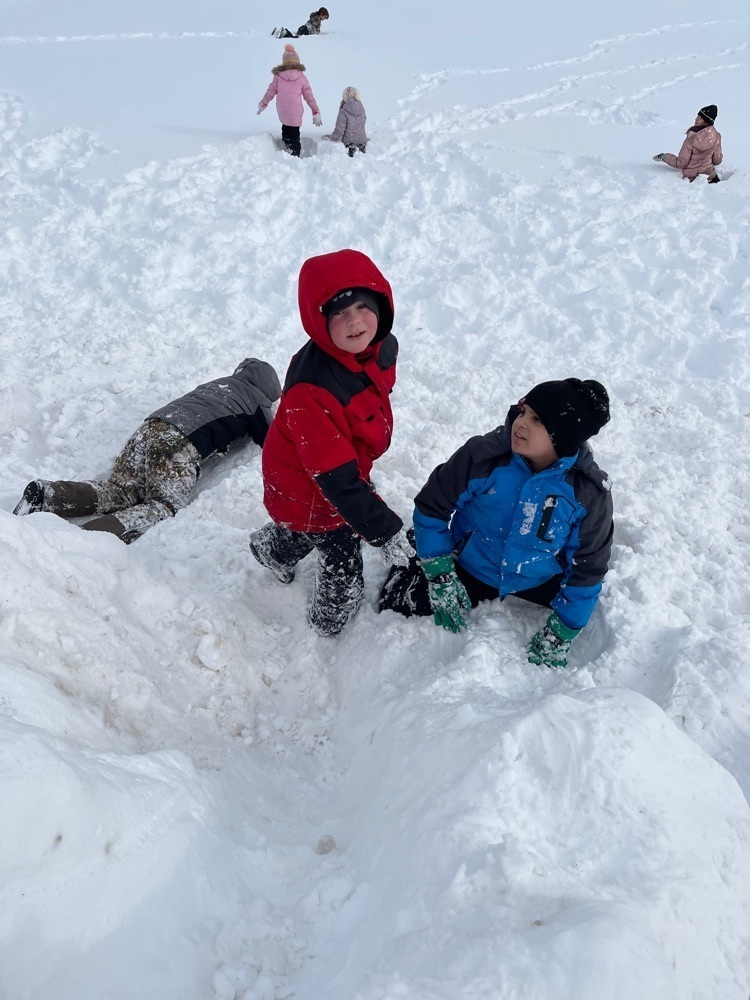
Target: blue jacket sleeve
586	557
449	487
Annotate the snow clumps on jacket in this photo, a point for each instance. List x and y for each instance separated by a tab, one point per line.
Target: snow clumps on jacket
334	419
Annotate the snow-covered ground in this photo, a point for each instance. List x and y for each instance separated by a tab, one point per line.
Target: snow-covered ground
174	741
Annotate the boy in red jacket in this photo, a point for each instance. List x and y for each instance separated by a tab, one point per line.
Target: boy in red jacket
333	421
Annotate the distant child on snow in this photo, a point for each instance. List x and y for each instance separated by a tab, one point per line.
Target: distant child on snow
523	510
350	123
289	86
333	421
701	151
155	473
310	27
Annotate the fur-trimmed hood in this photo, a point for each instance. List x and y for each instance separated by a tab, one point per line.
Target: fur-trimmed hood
288	66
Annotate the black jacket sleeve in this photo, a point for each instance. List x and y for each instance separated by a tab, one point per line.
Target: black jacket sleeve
358	503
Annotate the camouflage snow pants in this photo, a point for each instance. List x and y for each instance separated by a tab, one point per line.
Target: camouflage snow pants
153	477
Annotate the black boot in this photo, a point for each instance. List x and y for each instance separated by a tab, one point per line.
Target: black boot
262	550
32	499
714	180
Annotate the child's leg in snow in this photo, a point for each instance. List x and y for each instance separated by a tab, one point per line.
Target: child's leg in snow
339	583
157	471
291	138
79	499
279	549
126	485
64	498
172	466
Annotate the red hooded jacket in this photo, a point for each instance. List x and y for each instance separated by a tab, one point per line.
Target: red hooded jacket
334	418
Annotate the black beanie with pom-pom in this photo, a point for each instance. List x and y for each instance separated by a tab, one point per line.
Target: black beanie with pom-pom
571	410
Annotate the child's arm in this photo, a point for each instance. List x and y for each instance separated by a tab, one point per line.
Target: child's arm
717	155
340	126
268	96
448	489
683	157
586	557
309	97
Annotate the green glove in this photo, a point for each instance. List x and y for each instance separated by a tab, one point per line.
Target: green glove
551	645
448	595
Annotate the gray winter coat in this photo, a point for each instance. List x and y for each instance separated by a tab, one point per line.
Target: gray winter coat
214	415
350	124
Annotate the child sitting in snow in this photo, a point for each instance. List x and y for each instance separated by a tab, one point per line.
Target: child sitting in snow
289	86
350	123
310	27
333	421
523	510
154	475
701	151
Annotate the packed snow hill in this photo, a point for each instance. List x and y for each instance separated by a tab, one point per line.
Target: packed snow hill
203	798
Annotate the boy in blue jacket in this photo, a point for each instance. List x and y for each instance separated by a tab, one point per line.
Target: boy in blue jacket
523	510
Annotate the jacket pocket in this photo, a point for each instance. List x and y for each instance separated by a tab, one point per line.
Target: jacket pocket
553	529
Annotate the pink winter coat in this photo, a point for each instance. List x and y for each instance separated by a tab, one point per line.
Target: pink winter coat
289	86
700	153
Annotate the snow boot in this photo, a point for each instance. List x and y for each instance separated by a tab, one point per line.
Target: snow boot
284	574
66	499
351	149
32	499
108	522
714	180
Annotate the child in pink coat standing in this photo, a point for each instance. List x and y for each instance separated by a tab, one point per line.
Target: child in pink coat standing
289	86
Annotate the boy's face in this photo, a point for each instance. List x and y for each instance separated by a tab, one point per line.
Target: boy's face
354	328
530	440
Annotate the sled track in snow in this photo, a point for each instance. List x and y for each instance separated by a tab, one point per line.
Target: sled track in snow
131	36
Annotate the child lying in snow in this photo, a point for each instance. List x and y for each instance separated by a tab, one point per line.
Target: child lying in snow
310	27
154	475
523	510
701	151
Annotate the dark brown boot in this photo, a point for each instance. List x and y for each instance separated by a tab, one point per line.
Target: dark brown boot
108	522
69	499
66	499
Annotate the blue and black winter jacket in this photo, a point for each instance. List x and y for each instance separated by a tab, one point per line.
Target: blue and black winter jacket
513	528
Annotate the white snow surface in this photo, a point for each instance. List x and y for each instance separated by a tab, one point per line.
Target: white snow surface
174	741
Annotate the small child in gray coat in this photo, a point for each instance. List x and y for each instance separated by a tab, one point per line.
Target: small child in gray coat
154	475
350	123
